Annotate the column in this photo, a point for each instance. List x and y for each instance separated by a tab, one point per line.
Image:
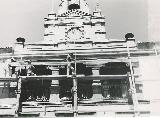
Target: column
97	90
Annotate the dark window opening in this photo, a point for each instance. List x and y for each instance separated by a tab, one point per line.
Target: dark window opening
65	89
115	88
73	6
84	87
85	90
34	90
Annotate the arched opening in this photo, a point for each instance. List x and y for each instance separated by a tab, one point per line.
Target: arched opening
84	88
114	68
34	90
115	88
73	6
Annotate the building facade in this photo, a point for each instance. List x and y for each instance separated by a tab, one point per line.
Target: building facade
74	27
75	47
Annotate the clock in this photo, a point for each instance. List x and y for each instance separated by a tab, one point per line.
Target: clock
74	34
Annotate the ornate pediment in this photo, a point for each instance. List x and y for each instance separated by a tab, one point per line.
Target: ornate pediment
68	6
74	12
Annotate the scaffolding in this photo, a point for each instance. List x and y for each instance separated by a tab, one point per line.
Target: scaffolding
72	58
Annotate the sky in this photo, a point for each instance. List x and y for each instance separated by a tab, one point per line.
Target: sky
25	18
153	20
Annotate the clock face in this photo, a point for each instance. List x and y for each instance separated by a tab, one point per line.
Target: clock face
74	34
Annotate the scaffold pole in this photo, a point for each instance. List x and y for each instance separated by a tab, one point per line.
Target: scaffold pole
19	102
74	88
132	84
